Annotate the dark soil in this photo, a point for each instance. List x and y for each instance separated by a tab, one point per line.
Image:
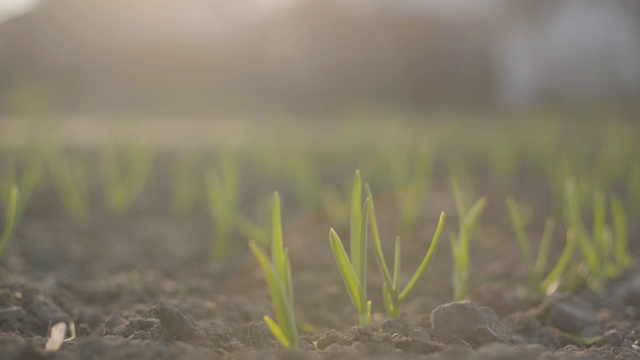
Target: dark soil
143	286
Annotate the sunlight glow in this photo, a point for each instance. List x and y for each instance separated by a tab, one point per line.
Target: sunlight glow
12	8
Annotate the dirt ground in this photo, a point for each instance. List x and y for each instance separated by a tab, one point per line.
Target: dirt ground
143	286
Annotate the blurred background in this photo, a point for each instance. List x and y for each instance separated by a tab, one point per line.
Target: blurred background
203	58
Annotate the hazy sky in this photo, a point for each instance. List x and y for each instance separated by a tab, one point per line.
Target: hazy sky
11	8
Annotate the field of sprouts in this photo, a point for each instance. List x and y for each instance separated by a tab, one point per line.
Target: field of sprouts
441	239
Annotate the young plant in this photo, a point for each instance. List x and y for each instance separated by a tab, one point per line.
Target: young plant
605	252
26	170
256	230
392	295
538	283
467	218
411	181
306	179
335	205
185	184
353	270
124	172
69	180
222	191
11	217
277	272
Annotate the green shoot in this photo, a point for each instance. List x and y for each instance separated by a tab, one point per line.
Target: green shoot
305	179
410	199
604	252
124	173
11	217
27	174
222	190
392	295
537	282
460	242
185	184
277	272
621	240
69	180
353	270
335	207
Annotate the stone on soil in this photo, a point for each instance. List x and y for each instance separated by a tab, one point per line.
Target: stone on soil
466	321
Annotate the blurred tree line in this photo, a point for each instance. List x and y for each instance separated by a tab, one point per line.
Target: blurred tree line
201	57
198	57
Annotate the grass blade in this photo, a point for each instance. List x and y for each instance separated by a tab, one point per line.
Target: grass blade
621	238
12	214
277	331
543	251
282	307
396	267
562	263
355	291
277	243
373	226
357	246
521	236
426	261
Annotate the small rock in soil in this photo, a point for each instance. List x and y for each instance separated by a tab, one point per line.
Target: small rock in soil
258	335
177	325
417	342
327	339
571	315
466	321
496	351
394	326
603	352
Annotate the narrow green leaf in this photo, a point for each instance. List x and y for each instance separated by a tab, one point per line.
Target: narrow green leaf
356	293
282	307
277	332
373	226
621	239
474	213
563	262
584	241
425	262
277	243
599	215
396	267
459	201
521	236
356	227
12	214
543	251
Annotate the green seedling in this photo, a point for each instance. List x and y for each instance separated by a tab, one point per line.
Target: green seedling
392	295
633	187
250	229
222	191
503	165
306	179
26	169
70	181
353	270
124	172
277	272
538	283
604	252
622	254
185	184
411	181
11	217
335	206
467	219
